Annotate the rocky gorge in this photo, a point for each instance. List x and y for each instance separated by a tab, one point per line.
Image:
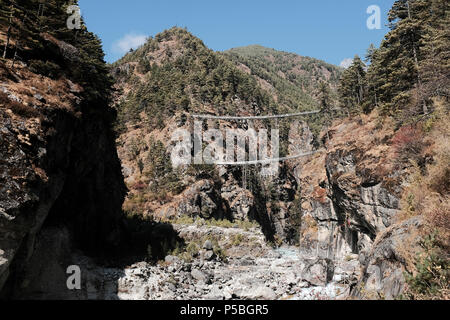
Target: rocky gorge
86	178
346	234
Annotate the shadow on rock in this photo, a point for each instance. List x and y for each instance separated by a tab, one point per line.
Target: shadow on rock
147	240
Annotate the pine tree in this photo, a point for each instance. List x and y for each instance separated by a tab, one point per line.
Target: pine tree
7	11
371	100
410	67
324	96
352	88
396	67
435	67
325	104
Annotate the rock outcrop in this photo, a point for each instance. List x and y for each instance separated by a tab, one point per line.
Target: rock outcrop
350	201
58	167
392	254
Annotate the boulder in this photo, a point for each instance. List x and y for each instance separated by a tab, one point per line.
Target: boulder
258	293
209	255
208	245
200	276
317	271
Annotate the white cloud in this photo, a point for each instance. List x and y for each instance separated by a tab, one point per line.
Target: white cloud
346	63
129	41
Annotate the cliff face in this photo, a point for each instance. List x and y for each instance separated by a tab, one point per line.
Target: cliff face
351	203
58	169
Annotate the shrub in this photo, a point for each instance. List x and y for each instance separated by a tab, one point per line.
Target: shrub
134	204
140	186
47	68
184	220
431	279
219	223
409	143
221	253
193	249
428	192
237	240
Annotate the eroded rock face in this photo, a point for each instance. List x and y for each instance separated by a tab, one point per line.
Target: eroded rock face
58	166
240	202
350	198
366	204
392	254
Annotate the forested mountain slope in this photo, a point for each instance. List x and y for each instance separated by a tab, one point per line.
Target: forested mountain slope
293	80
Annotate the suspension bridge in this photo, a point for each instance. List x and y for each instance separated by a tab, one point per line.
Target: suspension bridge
280	116
267	117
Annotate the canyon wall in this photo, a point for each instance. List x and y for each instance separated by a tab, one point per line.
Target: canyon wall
58	169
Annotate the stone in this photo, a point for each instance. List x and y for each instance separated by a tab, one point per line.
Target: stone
208	245
227	294
259	293
170	259
384	268
200	276
209	255
171	287
315	272
40	98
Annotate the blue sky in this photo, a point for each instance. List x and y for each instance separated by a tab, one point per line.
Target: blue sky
331	30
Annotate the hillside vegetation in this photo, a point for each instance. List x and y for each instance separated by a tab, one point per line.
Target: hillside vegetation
293	80
37	34
406	83
175	72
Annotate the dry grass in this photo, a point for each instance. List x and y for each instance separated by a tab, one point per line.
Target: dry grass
18	108
23	83
428	196
429	193
409	144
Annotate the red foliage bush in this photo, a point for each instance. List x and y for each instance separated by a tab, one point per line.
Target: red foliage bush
140	186
409	143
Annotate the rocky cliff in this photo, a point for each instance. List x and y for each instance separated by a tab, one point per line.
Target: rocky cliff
351	203
60	178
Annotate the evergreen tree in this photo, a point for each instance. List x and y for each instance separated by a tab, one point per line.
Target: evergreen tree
395	70
371	100
435	67
325	104
352	87
410	67
7	13
324	96
370	54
